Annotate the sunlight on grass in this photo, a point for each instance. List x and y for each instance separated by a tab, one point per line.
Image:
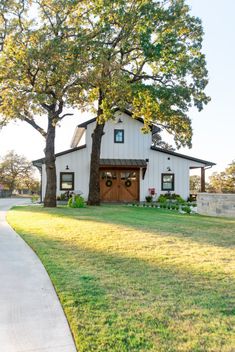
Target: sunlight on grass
138	279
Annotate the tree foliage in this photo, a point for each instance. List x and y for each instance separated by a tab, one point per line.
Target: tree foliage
102	54
147	57
39	65
17	173
223	182
195	183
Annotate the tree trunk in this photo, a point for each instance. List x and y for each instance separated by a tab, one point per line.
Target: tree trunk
50	197
94	185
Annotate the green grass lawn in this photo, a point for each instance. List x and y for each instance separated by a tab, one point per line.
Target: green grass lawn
137	279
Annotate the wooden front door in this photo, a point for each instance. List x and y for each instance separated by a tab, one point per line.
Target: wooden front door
119	185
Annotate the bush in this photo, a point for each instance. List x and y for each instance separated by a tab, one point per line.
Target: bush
161	198
149	199
35	198
76	202
186	209
171	197
62	196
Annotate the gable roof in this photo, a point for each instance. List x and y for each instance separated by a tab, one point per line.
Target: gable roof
68	151
127	112
183	156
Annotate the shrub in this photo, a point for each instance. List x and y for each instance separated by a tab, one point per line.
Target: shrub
186	209
35	198
161	198
76	202
171	197
62	196
148	199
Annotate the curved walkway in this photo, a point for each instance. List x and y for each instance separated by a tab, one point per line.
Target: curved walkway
31	317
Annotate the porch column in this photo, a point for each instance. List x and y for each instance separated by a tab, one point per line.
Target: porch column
203	184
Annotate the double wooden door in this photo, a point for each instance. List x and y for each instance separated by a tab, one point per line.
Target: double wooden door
119	185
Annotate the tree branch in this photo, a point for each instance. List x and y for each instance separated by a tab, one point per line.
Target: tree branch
36	126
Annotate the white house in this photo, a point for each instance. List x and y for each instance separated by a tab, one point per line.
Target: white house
130	167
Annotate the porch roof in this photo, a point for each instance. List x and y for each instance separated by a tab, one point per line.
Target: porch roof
123	162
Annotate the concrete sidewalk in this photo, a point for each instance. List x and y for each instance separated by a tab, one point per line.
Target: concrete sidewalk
31	317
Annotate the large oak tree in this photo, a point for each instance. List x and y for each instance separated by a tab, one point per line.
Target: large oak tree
147	57
42	59
105	54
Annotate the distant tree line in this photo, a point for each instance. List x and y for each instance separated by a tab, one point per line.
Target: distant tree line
17	174
219	182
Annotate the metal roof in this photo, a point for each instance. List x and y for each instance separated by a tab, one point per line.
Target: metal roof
209	163
127	112
123	162
68	151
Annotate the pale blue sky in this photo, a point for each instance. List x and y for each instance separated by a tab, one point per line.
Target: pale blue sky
214	127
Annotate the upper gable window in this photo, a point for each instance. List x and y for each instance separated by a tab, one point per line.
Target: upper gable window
118	136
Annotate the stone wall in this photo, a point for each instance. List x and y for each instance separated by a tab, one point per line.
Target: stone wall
216	204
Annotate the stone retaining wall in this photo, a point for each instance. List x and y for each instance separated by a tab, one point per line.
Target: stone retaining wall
216	204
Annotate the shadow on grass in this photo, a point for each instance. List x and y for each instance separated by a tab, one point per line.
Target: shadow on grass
208	230
116	303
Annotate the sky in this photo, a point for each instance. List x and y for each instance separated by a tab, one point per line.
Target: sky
213	128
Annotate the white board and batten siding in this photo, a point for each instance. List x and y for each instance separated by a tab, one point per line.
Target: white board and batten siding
137	145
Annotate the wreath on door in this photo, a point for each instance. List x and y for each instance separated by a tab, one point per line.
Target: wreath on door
128	183
109	183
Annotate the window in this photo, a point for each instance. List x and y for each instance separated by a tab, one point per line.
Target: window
67	181
118	136
168	182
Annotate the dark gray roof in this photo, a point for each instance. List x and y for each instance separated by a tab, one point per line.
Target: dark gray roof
42	160
123	162
208	163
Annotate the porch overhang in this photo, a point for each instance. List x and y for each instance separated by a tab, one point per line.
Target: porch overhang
123	163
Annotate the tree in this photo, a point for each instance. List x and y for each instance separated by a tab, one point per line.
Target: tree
159	142
41	61
107	54
195	183
146	57
16	172
223	182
